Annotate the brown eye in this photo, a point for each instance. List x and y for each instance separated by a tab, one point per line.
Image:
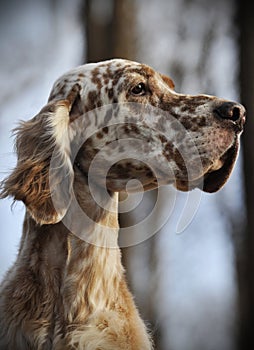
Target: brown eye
139	90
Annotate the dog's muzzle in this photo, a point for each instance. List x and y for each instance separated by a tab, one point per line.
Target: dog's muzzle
233	112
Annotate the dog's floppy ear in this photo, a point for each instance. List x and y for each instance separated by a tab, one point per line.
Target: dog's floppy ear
43	176
168	81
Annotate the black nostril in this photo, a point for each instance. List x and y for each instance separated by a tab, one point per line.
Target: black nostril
236	113
231	110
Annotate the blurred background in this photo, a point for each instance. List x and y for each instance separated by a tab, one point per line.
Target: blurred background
194	286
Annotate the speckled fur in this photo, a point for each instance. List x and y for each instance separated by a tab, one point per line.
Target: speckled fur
62	292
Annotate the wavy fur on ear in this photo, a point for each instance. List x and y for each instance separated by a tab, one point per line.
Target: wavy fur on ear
37	174
168	81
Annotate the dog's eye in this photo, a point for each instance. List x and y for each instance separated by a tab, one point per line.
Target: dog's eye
139	90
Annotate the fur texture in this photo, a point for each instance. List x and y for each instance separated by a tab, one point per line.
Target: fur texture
104	124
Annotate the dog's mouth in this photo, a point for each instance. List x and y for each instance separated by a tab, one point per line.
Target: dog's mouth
219	173
216	176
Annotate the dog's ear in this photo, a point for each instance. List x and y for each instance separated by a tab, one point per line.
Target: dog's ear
168	81
43	176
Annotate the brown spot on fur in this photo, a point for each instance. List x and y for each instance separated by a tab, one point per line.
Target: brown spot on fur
162	138
179	160
187	122
99	135
117	76
96	79
149	173
201	121
91	100
99	104
110	93
126	129
135	129
105	78
62	90
168	151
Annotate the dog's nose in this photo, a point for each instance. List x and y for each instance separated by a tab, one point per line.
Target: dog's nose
232	111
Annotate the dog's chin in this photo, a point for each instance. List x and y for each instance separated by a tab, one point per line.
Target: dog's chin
217	175
215	179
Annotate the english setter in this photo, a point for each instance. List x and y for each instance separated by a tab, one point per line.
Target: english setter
105	124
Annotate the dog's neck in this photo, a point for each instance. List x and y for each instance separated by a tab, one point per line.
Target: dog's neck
87	275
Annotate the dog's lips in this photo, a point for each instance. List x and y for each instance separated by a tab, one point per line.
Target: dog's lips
216	176
219	173
217	165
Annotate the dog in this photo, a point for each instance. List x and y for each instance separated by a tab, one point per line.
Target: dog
105	124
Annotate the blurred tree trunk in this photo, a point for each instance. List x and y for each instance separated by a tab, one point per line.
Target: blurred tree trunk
98	30
110	31
246	259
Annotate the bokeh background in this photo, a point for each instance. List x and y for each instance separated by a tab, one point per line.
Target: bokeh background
194	285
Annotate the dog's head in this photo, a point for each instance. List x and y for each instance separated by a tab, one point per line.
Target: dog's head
116	121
